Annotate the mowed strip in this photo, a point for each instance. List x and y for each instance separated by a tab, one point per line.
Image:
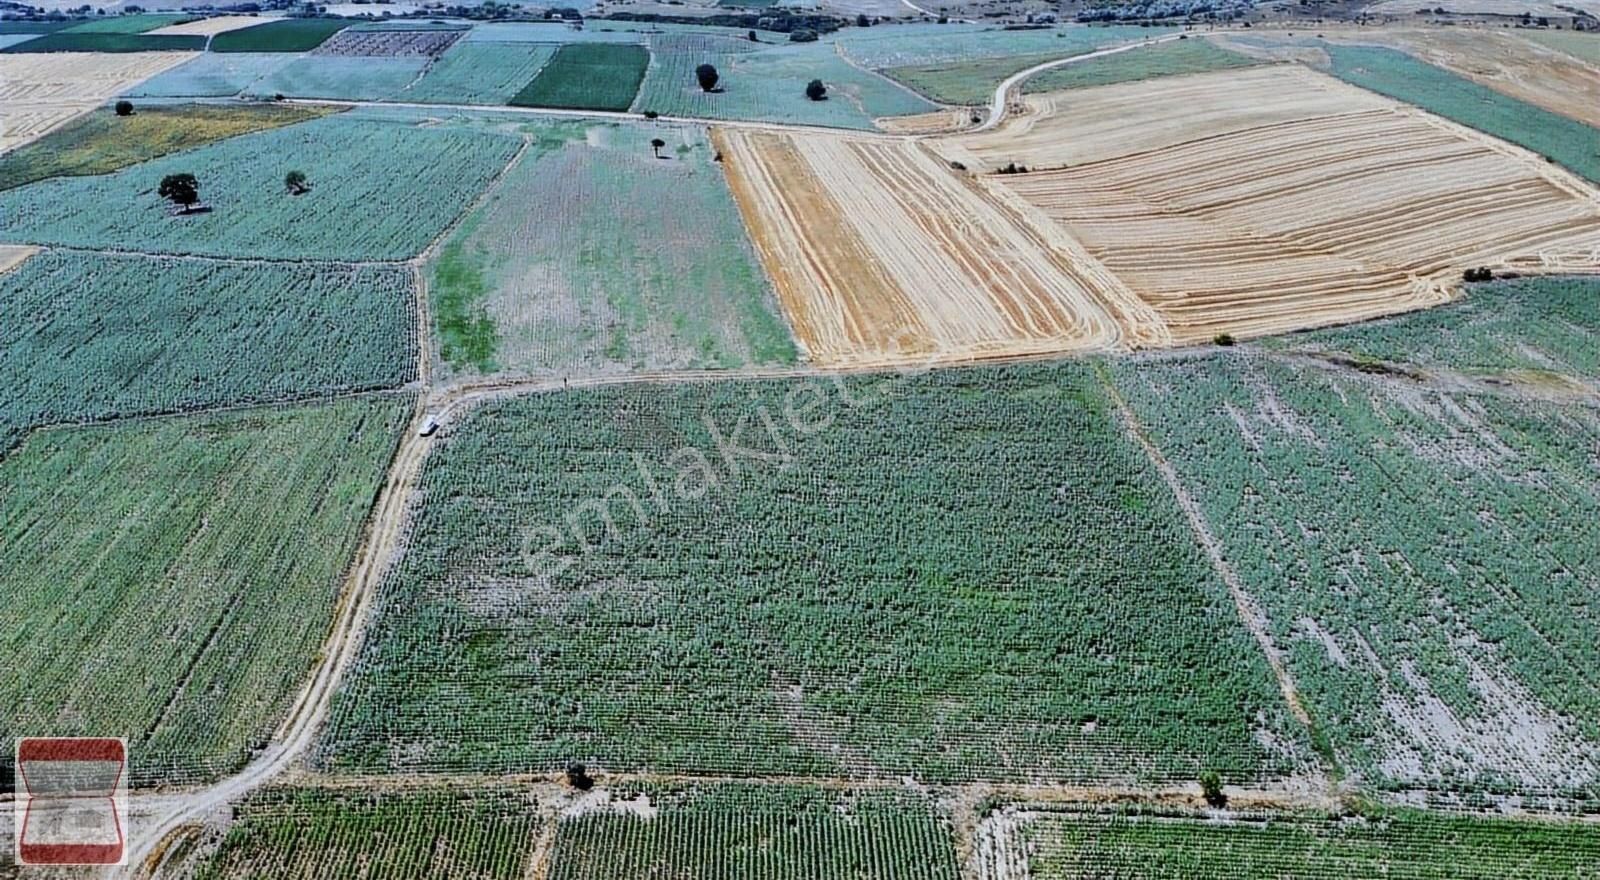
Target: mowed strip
40	92
882	255
1344	208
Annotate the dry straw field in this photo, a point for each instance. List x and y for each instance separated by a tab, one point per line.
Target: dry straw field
207	27
1274	199
41	92
880	254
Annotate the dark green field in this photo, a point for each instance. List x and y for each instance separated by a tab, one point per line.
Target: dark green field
287	35
103	42
588	76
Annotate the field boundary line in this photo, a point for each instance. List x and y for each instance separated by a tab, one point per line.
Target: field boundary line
1250	611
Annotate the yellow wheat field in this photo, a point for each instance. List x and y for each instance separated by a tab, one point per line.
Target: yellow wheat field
880	254
207	27
1276	215
40	92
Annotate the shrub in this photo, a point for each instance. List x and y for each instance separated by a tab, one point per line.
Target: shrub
707	76
802	35
124	108
1211	788
578	776
1223	339
815	90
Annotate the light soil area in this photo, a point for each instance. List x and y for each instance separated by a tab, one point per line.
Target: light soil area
210	27
12	255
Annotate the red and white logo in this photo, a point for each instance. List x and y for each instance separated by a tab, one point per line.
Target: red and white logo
72	801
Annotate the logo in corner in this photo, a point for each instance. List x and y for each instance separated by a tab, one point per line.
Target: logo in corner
71	801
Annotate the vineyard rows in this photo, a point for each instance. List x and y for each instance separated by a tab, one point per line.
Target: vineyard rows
737	832
96	337
383	186
1404	845
938	587
156	556
423	834
1427	558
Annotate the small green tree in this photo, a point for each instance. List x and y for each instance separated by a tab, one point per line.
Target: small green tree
578	777
1223	339
656	144
180	189
816	91
124	108
1211	788
707	76
295	182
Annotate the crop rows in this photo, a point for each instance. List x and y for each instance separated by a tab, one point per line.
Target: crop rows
69	41
523	288
1405	845
1177	58
768	83
1427	558
482	834
588	76
212	75
342	77
881	255
95	337
733	832
381	188
389	43
171	580
941	584
479	73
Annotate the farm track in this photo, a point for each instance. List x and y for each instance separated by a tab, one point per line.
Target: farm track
1000	104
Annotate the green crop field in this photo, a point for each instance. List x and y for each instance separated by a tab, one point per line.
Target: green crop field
341	77
1535	328
285	35
588	76
383	186
101	142
1146	62
593	255
1580	45
479	73
71	41
420	834
1425	552
37	27
768	83
130	24
146	580
766	831
938	585
964	66
1403	845
212	75
91	337
1391	72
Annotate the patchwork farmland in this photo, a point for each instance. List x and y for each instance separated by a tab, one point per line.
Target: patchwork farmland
829	443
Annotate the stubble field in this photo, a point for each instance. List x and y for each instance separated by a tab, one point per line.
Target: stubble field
1298	203
41	92
881	255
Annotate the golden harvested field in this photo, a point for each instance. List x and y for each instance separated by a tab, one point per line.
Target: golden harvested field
881	254
1087	125
40	92
207	27
937	122
1268	219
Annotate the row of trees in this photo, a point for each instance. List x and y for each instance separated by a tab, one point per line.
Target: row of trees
183	190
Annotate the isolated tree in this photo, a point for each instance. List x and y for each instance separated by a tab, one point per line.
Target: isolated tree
816	91
707	76
656	144
578	777
862	20
1223	339
753	38
180	189
296	183
1211	788
124	108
